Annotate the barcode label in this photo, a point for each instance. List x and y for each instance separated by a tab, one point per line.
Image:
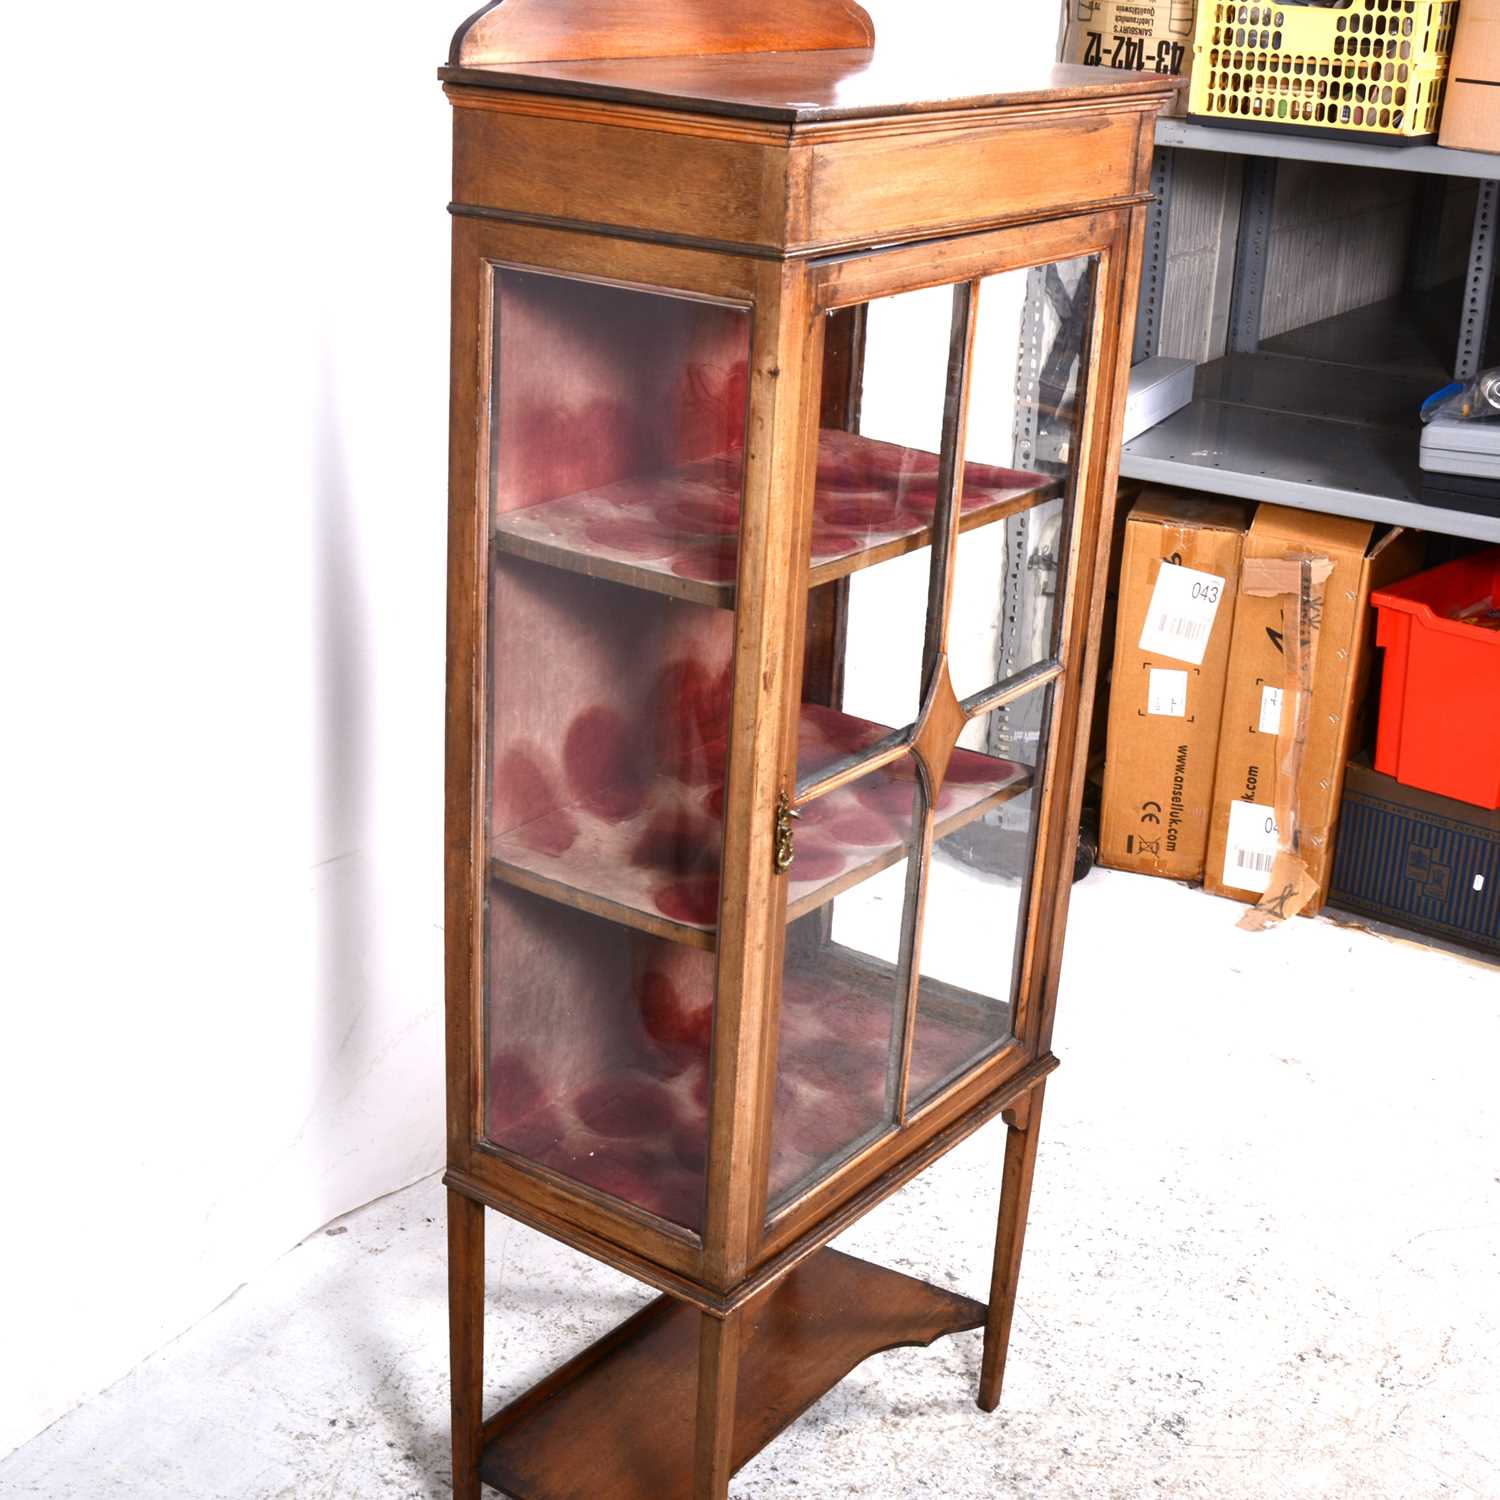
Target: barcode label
1183	630
1270	710
1180	619
1250	849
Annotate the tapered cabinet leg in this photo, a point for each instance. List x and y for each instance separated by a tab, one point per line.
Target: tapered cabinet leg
718	1380
466	1338
1015	1202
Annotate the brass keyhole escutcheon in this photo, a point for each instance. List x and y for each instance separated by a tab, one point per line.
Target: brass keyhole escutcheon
786	844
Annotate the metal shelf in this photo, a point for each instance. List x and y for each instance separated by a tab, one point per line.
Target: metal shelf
1442	161
1411	334
1322	417
1303	433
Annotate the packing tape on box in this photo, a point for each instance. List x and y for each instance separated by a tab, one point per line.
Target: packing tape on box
1301	580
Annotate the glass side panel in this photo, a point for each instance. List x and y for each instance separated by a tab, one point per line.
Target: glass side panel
617	434
978	888
844	991
618	431
597	1052
1027	381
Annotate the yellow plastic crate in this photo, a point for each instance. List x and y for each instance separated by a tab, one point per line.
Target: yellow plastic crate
1373	69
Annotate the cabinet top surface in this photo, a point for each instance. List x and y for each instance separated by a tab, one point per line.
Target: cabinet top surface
815	86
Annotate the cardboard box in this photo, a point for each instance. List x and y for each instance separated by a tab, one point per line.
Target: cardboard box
1242	837
1418	860
1471	100
1167	686
1155	36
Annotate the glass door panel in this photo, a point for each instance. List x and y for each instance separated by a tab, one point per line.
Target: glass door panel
875	493
974	915
886	490
1030	362
930	657
617	424
844	989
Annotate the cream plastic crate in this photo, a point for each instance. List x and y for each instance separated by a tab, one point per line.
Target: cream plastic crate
1373	69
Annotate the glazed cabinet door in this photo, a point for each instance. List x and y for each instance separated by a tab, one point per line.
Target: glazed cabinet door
946	524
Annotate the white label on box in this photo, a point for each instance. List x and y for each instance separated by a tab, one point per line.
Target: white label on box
1250	850
1166	692
1270	710
1181	617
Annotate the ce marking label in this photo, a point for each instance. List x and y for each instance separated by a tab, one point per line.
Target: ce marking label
1151	812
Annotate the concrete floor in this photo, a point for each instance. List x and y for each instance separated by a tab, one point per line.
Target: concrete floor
1264	1260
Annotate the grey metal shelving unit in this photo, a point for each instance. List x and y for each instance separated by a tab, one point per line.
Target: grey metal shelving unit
1323	417
1440	161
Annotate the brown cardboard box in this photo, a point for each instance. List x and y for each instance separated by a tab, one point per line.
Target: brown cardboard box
1153	35
1240	842
1471	100
1164	709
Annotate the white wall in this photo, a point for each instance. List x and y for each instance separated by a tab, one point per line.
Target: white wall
221	595
223	398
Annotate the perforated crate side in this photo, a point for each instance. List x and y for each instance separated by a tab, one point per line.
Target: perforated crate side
1373	67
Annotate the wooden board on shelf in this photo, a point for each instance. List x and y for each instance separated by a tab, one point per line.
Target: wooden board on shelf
658	869
677	533
634	1392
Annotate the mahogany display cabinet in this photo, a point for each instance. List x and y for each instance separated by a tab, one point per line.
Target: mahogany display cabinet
786	382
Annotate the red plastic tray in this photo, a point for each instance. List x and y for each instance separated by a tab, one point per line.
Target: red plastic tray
1440	696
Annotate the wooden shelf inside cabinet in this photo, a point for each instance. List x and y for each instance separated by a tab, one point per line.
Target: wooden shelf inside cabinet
650	860
677	533
616	1422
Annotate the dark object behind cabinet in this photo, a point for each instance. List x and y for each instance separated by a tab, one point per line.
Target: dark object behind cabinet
1418	860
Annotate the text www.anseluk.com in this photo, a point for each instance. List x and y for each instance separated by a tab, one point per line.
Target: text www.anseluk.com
1174	816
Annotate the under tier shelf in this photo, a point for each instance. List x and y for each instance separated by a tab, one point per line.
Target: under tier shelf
650	859
677	533
634	1392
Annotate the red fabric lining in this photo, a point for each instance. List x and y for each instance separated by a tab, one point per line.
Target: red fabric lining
641	1135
